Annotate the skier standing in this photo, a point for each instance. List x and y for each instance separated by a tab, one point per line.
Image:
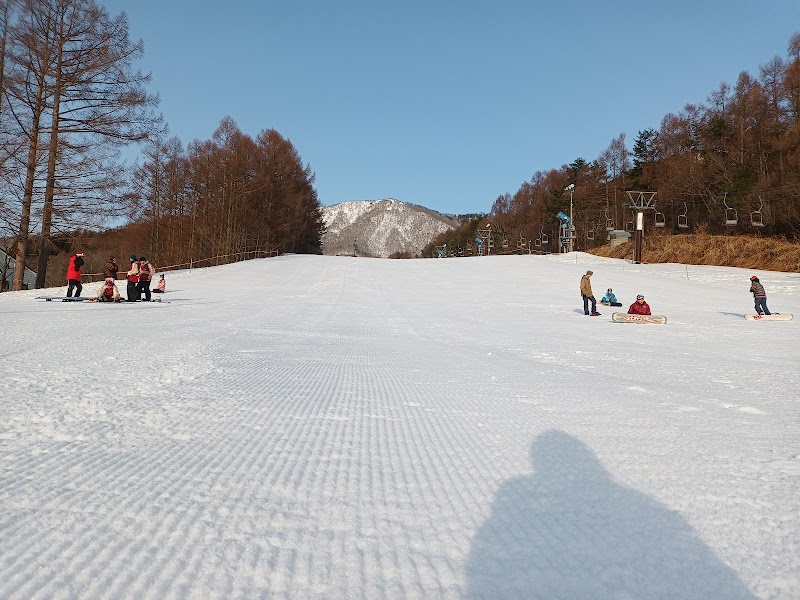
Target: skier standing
759	296
145	275
74	274
112	268
133	280
586	293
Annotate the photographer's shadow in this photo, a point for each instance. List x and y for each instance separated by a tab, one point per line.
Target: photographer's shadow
569	531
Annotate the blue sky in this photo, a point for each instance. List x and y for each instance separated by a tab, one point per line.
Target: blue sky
447	104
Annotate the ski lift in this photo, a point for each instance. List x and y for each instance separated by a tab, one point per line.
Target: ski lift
731	216
590	235
630	227
470	249
683	220
609	223
505	242
460	251
757	217
661	220
545	238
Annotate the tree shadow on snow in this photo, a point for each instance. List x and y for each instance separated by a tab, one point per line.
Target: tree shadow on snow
569	531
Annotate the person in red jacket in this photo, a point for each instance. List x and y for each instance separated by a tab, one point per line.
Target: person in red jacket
74	274
133	280
640	307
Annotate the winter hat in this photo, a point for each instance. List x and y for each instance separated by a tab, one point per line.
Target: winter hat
111	279
754	278
79	254
142	258
609	290
589	272
133	257
640	297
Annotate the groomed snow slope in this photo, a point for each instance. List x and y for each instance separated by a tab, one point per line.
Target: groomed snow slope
323	427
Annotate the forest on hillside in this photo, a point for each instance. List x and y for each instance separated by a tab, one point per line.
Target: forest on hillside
71	100
730	166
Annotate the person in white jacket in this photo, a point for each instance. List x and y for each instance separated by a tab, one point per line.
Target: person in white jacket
108	292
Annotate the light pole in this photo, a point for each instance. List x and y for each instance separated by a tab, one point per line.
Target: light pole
570	188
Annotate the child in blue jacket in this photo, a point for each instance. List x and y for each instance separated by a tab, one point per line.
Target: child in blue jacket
610	299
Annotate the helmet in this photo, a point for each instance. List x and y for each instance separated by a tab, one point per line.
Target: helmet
640	297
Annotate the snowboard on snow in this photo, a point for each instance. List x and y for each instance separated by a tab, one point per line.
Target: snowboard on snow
66	298
772	317
90	299
619	317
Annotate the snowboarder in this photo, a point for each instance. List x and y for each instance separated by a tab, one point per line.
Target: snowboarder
586	293
108	292
759	296
640	307
162	285
112	268
610	299
74	274
145	275
133	280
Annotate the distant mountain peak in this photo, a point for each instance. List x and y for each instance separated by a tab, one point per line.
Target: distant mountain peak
380	228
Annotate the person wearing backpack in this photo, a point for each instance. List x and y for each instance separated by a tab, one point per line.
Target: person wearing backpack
145	276
133	280
74	274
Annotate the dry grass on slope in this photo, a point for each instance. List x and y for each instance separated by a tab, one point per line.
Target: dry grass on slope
722	250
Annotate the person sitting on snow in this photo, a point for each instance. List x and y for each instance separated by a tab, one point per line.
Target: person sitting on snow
108	292
610	299
640	307
161	287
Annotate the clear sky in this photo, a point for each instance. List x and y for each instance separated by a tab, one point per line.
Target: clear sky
447	104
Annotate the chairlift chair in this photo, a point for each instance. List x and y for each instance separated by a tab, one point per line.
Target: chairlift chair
661	220
731	215
630	227
757	217
590	235
505	242
545	238
683	220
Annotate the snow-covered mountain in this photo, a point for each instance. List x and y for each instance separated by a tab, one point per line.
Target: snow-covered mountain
380	228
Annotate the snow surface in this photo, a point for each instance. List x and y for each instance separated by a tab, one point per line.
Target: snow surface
323	427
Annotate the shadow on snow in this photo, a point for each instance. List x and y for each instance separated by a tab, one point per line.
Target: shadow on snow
569	531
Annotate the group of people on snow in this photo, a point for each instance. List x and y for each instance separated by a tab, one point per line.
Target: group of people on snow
640	307
139	276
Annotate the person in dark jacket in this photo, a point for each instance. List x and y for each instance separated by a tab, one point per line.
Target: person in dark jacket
112	268
145	277
759	296
133	280
74	274
640	307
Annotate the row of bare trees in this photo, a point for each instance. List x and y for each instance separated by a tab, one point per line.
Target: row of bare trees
70	98
227	195
740	151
